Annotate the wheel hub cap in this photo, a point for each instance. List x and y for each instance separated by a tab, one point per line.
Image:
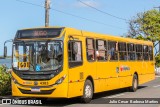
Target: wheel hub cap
88	91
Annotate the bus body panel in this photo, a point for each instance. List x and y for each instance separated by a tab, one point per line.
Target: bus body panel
106	75
125	76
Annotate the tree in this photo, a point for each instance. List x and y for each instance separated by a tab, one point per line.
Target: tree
157	58
146	26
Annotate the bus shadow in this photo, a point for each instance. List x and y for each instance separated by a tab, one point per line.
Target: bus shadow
98	98
106	94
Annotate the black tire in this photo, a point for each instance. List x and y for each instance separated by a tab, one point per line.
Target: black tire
88	89
134	86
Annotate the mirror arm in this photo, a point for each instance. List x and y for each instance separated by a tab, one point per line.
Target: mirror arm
5	48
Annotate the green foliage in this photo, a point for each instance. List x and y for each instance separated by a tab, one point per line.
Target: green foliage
157	58
5	81
140	37
146	25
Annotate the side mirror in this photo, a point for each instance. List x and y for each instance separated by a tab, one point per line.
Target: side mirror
5	51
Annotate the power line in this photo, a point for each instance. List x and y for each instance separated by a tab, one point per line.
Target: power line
69	14
102	11
30	3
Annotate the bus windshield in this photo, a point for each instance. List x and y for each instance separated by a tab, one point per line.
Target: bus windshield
37	55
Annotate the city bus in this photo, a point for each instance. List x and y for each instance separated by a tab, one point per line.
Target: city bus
62	62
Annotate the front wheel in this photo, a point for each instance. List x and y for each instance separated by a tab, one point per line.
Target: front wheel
87	92
134	86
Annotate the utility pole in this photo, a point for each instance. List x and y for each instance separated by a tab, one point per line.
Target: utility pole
47	7
159	41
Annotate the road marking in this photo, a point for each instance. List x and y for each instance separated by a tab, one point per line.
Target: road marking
156	86
114	96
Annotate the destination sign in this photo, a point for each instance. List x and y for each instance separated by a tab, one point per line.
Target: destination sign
39	33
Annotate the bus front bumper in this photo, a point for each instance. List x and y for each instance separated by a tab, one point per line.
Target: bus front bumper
55	91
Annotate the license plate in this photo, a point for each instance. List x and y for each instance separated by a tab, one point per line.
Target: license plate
35	90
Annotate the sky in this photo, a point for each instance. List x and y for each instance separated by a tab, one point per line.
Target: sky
16	15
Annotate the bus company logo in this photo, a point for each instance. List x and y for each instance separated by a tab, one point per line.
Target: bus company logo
124	68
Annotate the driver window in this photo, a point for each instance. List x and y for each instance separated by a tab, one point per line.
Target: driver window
75	53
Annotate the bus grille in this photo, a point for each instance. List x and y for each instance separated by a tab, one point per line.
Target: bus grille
28	75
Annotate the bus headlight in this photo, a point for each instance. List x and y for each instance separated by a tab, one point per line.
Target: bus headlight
59	81
14	80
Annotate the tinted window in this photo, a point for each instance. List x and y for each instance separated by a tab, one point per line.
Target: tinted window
101	50
139	55
75	53
145	52
122	51
112	50
131	51
151	53
90	49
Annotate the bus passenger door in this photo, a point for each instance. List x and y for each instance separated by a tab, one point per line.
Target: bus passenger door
75	66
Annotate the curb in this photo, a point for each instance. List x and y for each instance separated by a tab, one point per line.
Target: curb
11	97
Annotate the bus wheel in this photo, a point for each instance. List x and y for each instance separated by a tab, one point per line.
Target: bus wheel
87	92
134	86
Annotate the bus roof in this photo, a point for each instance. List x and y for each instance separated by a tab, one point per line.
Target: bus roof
98	35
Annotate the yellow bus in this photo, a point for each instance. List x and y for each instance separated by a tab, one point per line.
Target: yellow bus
62	62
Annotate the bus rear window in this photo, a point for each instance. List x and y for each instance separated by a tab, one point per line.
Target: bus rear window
39	33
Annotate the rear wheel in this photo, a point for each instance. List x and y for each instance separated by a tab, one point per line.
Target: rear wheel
87	92
134	86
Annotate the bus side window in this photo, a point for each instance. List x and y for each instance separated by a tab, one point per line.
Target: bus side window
101	50
90	49
112	50
131	51
145	52
122	51
75	53
139	55
151	53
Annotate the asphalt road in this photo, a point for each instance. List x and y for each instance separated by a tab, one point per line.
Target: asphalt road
148	90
